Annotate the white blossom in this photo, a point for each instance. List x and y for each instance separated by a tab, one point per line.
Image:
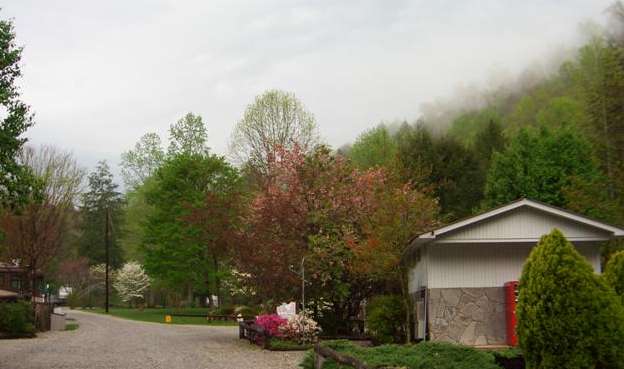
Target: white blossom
131	282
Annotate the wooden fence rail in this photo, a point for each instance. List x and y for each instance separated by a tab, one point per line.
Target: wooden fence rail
251	331
322	353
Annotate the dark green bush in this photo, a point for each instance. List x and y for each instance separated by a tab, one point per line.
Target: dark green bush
424	355
614	273
225	310
385	319
17	319
567	316
74	300
247	311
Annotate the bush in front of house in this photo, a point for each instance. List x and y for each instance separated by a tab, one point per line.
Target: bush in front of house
614	273
17	319
567	316
385	317
424	355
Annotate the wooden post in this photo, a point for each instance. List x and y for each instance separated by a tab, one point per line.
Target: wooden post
326	352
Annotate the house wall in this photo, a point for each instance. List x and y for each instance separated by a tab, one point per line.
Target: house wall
465	294
417	277
470	316
474	265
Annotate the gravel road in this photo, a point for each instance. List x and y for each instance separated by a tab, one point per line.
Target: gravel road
110	343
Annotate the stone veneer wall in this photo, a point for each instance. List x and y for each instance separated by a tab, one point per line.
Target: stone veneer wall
471	316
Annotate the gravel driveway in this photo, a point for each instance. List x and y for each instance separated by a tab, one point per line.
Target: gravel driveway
108	342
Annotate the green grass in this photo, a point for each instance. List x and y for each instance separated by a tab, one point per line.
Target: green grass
71	326
278	344
419	356
158	315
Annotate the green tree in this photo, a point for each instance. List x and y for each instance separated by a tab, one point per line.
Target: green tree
188	136
176	250
488	140
102	198
466	127
140	163
599	75
614	273
443	164
275	119
541	165
375	147
136	211
16	181
567	316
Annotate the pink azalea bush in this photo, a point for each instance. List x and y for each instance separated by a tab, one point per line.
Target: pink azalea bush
300	328
271	324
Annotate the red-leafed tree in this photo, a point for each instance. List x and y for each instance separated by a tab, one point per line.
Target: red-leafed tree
379	254
35	234
320	207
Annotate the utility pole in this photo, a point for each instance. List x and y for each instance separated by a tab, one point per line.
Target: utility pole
107	248
301	274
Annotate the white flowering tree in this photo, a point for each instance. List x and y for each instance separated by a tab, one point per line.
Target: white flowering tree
131	282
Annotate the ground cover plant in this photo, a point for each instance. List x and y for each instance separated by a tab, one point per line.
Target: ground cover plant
425	355
281	344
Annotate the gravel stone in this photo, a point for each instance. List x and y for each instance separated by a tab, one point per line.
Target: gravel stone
105	342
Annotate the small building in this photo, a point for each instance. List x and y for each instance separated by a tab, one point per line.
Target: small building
459	271
14	282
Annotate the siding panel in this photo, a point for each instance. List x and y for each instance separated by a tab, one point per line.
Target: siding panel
523	223
485	265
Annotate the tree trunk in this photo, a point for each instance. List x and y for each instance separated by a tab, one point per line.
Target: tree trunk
407	304
215	262
189	294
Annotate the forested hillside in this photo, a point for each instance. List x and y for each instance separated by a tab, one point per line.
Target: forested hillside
558	139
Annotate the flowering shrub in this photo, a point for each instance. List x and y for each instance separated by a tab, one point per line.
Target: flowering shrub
300	328
271	324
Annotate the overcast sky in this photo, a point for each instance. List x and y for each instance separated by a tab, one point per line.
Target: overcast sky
99	74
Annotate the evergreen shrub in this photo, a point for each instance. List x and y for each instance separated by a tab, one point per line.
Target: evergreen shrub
385	317
614	273
567	315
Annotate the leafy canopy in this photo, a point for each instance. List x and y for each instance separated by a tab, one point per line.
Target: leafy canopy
17	182
175	250
101	198
541	165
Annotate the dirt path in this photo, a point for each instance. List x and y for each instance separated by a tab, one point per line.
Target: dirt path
107	342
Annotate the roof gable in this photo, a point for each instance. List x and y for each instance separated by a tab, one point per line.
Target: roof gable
522	221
